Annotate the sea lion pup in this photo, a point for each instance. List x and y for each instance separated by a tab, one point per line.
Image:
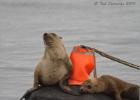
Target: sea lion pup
112	86
54	66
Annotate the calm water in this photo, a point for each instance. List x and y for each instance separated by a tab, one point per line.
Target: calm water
114	29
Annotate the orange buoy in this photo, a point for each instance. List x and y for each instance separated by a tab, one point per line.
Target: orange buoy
83	63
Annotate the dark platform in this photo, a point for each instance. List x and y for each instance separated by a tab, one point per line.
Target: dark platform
55	93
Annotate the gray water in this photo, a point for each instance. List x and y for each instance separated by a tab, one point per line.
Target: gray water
114	29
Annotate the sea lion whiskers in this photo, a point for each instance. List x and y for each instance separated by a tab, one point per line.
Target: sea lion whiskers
48	42
92	87
87	85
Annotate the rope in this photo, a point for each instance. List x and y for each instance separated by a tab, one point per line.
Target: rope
95	71
113	58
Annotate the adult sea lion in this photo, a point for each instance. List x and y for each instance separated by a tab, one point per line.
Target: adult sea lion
112	86
54	66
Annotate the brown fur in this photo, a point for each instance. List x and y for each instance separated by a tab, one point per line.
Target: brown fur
52	67
109	85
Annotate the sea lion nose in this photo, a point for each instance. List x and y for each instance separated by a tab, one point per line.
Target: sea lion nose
45	34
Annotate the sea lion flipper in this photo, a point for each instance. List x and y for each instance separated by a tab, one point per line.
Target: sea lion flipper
67	89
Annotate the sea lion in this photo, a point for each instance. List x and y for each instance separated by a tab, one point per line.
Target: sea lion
54	67
112	86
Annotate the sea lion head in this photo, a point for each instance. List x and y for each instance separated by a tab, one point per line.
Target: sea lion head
52	40
54	46
89	87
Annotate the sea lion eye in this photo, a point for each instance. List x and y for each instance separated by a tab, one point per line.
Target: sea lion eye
45	34
89	86
60	37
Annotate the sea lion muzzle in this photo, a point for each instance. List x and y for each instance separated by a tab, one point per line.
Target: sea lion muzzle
50	39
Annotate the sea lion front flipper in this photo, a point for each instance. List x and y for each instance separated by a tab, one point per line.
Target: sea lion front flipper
67	89
71	91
